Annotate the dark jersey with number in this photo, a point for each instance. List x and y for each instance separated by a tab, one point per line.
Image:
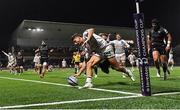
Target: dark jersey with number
19	59
158	38
44	52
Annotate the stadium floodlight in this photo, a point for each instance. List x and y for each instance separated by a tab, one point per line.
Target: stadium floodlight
34	30
38	29
29	29
41	30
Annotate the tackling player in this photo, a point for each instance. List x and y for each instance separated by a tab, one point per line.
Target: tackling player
103	50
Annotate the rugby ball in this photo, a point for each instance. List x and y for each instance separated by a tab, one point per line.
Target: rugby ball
72	80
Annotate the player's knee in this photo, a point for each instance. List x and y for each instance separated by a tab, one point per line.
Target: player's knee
164	64
89	64
45	65
117	67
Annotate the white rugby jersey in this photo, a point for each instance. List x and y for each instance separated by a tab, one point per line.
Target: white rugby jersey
132	57
36	59
64	63
119	46
170	56
96	43
11	58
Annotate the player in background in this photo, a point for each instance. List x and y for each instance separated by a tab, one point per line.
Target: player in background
11	62
36	61
156	37
119	46
132	60
76	61
171	60
20	62
64	63
44	53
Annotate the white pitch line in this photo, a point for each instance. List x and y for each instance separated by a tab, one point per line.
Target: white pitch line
80	101
170	93
64	85
68	102
113	91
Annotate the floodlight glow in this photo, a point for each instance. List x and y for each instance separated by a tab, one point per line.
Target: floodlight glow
33	30
29	29
38	29
42	30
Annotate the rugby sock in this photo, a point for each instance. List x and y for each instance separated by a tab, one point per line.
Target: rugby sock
172	67
164	65
21	70
96	70
157	66
126	71
75	70
88	80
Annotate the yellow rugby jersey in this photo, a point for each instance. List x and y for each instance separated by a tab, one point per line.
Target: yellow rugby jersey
77	57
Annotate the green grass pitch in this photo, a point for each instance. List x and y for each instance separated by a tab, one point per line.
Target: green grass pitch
110	91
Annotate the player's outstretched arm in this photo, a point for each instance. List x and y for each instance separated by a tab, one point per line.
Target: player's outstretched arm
5	53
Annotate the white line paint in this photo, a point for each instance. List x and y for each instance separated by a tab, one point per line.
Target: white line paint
113	91
68	102
81	101
76	101
170	93
64	85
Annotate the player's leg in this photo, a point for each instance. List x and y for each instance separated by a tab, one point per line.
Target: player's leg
132	65
35	67
117	67
123	59
41	68
156	62
163	59
123	62
82	69
17	68
104	65
76	67
21	69
90	64
172	64
44	68
95	70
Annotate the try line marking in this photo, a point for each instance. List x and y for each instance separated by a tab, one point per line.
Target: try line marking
68	102
81	101
78	101
65	85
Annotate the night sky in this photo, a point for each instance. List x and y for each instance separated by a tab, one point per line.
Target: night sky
98	12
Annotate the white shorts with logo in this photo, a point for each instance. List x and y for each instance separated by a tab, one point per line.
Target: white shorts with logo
170	60
132	62
106	52
120	57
